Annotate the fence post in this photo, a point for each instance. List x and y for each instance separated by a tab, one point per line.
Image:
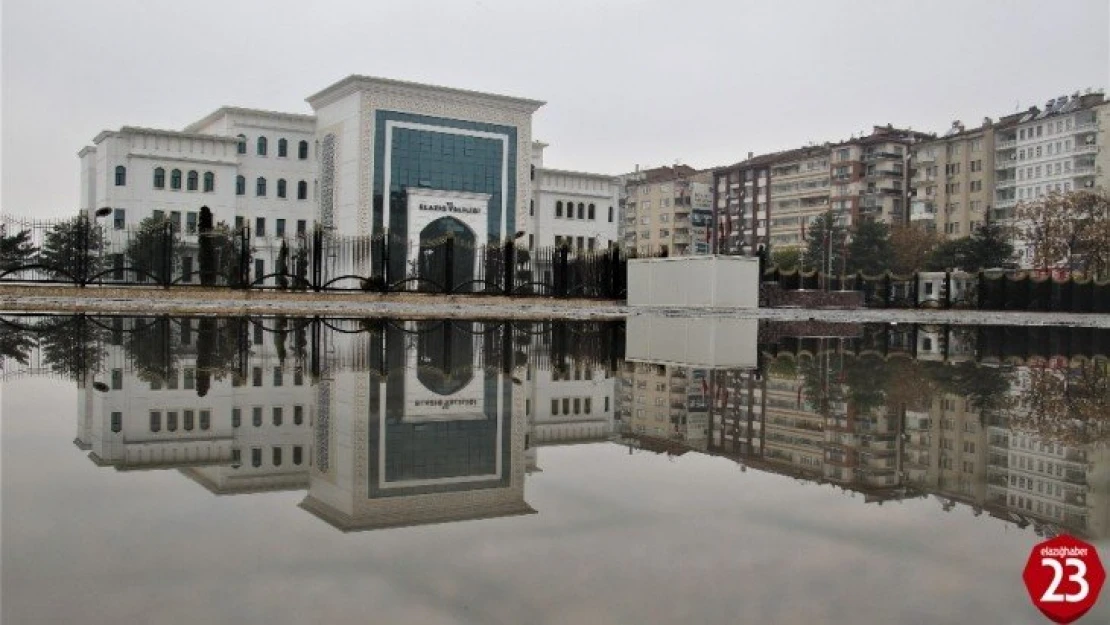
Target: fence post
560	271
510	265
167	254
948	289
448	263
386	271
244	257
317	259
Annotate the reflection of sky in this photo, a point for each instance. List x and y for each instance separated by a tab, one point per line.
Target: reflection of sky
618	539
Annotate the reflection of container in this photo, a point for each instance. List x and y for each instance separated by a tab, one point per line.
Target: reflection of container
704	343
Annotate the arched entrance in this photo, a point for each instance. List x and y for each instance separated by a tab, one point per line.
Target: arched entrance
445	357
433	253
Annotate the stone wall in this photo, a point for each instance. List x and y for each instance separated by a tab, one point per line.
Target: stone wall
773	296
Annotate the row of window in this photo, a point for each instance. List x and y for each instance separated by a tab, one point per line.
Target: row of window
583	243
279	226
573	406
277	416
260	187
192	179
262	146
275	456
584	211
187	420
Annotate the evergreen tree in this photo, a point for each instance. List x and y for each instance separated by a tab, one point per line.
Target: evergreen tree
988	248
72	248
825	244
15	250
282	268
154	249
870	250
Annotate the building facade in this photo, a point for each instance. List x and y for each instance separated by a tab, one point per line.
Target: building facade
578	210
953	182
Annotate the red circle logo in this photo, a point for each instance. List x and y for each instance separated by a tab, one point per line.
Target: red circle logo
1064	577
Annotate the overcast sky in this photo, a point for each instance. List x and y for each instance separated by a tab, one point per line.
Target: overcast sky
625	82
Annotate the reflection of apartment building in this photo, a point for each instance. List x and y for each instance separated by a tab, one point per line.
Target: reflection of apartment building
665	402
666	211
575	209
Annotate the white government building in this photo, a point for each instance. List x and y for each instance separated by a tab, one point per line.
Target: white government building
376	156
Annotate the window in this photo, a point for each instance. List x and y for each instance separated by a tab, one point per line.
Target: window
121	176
189	378
283	148
610	214
188	418
590	214
277	456
256	373
159	178
192	181
259	226
175	180
531	208
190	223
281	188
171	421
119	217
302	227
256	416
554	407
279	230
256	457
239	222
209	182
559	208
155	421
587	407
581	210
298	415
302	190
277	416
302	150
242	144
117	421
298	455
278	377
175	219
261	147
240	185
236	417
260	187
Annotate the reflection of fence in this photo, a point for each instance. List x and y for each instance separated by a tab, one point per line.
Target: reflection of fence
956	289
86	252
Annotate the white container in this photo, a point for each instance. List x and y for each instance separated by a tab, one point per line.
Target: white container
694	282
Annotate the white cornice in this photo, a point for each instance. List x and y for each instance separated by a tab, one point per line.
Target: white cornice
580	174
170	158
356	83
136	130
226	111
88	149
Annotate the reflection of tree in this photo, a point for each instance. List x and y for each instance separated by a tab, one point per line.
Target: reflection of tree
819	382
72	346
1070	406
16	344
987	389
151	349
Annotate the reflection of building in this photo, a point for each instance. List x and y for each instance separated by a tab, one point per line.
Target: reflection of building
432	440
238	429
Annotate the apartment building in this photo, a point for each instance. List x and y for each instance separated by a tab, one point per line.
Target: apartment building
953	181
870	175
740	204
667	211
1057	149
800	188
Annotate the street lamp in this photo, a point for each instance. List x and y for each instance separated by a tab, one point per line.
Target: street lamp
103	211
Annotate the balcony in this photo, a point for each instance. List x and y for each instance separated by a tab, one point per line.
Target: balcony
926	157
1006	203
878	156
999	146
1005	183
1086	148
1086	126
1004	163
1084	170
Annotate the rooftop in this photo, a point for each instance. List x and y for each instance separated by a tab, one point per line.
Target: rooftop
356	82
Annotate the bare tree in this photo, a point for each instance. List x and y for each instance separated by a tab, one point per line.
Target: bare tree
1070	230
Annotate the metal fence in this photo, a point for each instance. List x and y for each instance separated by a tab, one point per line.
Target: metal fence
984	290
85	252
